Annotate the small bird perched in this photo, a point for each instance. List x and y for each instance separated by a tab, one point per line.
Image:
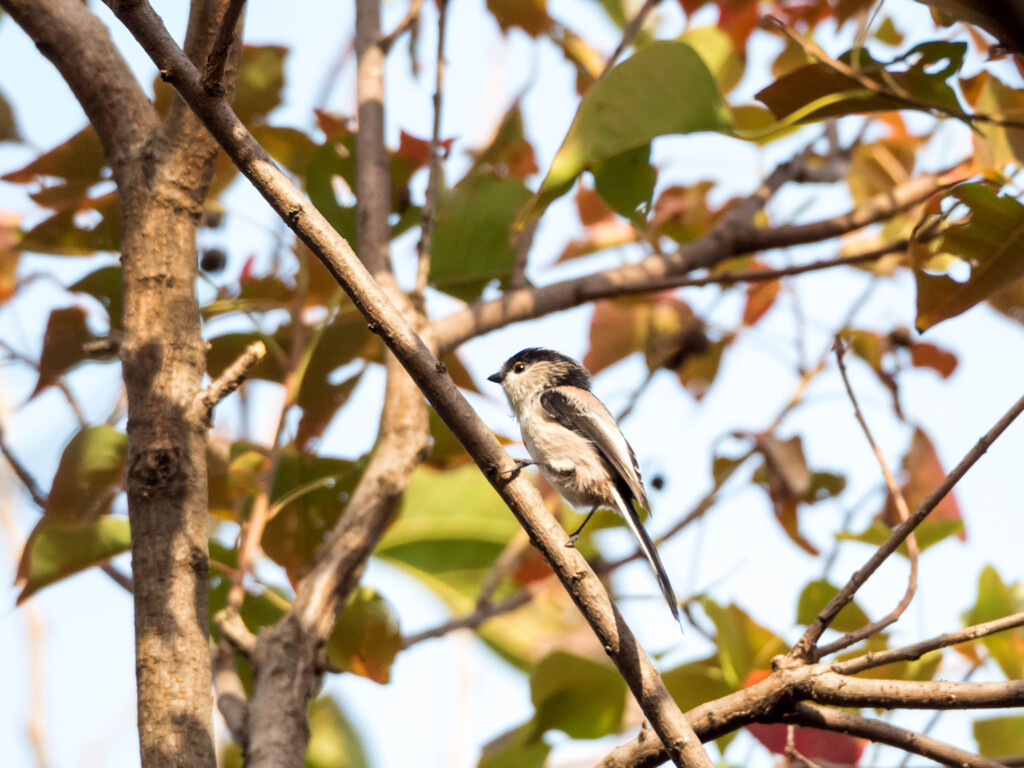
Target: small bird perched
577	445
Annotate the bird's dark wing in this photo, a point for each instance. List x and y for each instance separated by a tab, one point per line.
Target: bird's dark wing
582	412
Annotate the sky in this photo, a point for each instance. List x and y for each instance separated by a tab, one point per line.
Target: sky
738	553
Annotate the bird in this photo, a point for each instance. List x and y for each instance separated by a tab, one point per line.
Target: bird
578	446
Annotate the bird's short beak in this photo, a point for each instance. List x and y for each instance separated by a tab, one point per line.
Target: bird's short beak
495	377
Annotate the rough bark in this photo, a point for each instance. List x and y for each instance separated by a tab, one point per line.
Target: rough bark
162	173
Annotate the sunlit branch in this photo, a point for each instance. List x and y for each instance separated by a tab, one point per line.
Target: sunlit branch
217	60
629	33
902	510
732	236
803	648
919	649
429	217
412	16
841	721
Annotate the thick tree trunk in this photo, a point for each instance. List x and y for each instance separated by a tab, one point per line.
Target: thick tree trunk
162	173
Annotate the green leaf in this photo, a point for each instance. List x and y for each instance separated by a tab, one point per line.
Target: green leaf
54	552
89	476
626	182
225	349
717	50
827	92
292	148
313	491
106	285
521	747
580	697
816	596
990	240
333	742
662	89
366	637
696	682
259	82
929	533
995	600
79	161
335	157
1000	736
66	234
472	244
744	646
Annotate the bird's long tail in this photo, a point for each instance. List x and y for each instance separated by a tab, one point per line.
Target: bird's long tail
643	538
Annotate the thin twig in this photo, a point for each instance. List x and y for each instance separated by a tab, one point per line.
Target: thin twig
471	620
124	582
630	32
802	649
889	89
429	216
510	557
829	718
230	380
919	649
791	750
902	510
232	628
214	76
412	16
38	495
231	699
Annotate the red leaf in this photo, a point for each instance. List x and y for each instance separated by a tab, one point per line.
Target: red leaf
837	749
760	298
941	361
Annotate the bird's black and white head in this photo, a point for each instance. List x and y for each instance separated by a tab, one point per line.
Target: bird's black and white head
529	372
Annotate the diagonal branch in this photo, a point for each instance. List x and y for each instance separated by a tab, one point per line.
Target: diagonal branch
432	379
804	647
831	719
917	650
902	510
429	217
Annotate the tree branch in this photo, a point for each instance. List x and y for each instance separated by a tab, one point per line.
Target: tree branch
214	76
731	237
902	510
429	217
412	16
804	647
919	649
230	380
630	32
432	379
830	719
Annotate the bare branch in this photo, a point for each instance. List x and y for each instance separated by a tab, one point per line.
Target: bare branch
478	617
124	582
216	61
731	237
233	629
629	32
791	750
412	16
831	719
803	648
919	649
429	217
230	380
39	496
902	510
230	693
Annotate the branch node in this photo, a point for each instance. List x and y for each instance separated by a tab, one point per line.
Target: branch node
230	380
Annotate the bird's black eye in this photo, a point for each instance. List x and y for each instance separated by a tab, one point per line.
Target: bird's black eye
519	367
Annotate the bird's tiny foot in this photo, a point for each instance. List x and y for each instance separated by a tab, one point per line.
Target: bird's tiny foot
520	465
571	543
